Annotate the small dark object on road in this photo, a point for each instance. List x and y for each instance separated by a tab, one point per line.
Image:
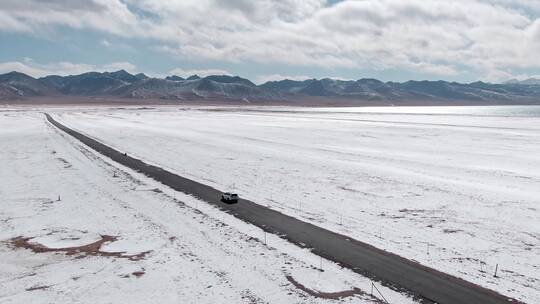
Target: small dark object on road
228	197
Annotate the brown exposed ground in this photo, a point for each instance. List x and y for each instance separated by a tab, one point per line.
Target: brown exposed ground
37	288
83	251
330	295
303	101
138	274
119	101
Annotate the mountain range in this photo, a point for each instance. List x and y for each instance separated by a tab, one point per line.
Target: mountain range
529	81
15	86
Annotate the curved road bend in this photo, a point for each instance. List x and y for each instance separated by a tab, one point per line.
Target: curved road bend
430	285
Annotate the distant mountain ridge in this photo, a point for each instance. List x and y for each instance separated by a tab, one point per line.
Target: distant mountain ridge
529	81
25	85
210	87
373	89
15	85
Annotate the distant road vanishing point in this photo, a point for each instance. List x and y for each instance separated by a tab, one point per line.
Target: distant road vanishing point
429	285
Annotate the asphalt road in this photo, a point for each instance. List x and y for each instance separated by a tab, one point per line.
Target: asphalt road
427	284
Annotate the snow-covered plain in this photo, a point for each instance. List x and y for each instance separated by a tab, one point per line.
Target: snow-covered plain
60	194
460	193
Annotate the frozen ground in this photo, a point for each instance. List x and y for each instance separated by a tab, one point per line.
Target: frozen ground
460	193
75	228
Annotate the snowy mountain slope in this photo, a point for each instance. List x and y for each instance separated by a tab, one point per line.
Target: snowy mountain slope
174	78
25	85
9	92
92	83
209	87
410	90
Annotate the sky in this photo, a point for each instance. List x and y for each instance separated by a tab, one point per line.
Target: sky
391	40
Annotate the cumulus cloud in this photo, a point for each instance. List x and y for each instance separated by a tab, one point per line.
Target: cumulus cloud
111	16
61	68
9	23
446	38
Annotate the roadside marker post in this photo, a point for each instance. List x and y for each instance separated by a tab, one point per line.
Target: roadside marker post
379	292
